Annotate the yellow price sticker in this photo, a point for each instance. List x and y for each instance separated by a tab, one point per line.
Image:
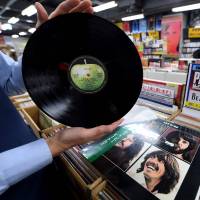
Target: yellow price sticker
136	36
194	33
192	104
154	35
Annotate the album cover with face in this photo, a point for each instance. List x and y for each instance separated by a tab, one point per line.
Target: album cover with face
148	131
181	143
159	172
131	147
127	151
151	130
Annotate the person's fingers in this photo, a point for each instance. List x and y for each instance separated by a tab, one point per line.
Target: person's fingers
100	131
82	7
110	128
118	121
64	7
89	10
42	15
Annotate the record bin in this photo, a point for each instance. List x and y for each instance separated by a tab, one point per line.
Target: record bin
22	101
86	179
37	120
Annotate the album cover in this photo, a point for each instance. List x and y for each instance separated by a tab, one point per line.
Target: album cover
94	150
140	128
159	172
143	37
143	25
135	26
126	27
192	96
180	143
128	186
130	148
151	23
127	151
171	32
194	18
150	131
158	23
157	127
133	122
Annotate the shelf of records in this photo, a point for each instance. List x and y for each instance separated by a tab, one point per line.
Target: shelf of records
191	42
181	102
164	97
153	154
164	75
168	63
153	54
190	113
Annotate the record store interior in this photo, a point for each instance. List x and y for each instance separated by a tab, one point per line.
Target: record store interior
99	100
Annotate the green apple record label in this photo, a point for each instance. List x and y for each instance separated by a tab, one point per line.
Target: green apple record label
87	74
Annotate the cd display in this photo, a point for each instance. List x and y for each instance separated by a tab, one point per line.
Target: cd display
82	70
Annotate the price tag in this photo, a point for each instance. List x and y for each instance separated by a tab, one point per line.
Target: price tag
154	35
194	33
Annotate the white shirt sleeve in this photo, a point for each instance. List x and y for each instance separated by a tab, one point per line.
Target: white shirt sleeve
20	162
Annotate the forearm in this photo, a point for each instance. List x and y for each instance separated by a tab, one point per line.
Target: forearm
23	161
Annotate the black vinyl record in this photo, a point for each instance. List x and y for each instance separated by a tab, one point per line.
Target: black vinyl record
82	70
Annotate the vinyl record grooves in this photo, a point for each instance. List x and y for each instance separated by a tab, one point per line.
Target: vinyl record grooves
82	70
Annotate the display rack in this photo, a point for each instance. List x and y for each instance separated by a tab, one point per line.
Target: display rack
190	114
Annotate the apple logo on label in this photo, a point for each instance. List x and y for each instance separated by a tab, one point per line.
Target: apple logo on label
87	77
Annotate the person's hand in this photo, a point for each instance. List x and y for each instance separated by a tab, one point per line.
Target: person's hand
70	137
67	6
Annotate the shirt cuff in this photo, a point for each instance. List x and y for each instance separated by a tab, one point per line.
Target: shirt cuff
23	161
